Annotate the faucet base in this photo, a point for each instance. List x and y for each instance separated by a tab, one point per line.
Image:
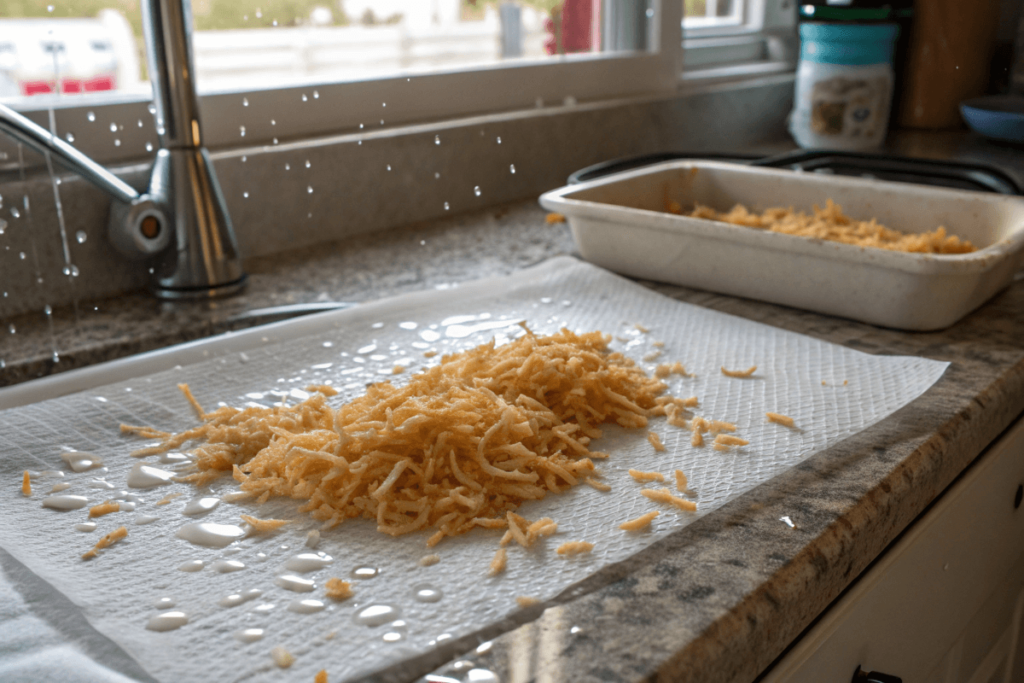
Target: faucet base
200	293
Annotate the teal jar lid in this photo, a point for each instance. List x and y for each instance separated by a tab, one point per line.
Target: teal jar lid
849	44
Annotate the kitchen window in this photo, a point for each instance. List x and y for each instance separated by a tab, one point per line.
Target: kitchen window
728	38
292	84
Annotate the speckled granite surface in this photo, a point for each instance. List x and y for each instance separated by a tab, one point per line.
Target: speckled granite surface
722	598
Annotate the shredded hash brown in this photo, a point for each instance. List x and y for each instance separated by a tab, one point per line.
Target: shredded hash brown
461	445
830	223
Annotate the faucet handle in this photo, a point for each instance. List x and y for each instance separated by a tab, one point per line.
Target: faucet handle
138	229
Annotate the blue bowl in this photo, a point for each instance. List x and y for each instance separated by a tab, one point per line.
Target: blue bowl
1000	117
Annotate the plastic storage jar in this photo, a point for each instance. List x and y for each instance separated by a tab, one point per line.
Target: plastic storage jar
843	85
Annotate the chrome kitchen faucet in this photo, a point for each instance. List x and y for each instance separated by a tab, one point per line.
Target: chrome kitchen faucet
181	220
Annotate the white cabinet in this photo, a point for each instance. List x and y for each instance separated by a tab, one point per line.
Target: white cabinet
944	604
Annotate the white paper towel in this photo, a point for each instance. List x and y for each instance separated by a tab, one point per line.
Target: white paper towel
832	393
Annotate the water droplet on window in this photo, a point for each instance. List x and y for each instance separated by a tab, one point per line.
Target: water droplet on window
91	116
245	101
49	8
309	189
245	195
512	168
476	190
307	163
70	137
81	236
113	128
437	139
149	146
241	129
446	206
274	22
117	143
305	98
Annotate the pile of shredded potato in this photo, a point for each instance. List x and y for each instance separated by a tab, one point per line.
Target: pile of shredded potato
830	223
459	446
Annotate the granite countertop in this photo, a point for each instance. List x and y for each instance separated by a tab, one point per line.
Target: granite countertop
720	599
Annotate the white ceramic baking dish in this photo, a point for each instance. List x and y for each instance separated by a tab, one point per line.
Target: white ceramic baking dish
619	222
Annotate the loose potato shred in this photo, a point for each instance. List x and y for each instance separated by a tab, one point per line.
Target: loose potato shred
461	445
26	484
105	542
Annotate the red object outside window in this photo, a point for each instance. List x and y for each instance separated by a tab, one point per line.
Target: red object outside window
570	27
99	83
69	85
36	87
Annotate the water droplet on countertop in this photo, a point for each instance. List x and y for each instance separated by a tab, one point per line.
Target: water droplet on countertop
65	502
249	635
143	476
295	583
141	520
80	461
785	519
86	526
200	505
191	566
167	621
482	676
308	606
265	608
308	562
425	593
164	603
210	534
377	615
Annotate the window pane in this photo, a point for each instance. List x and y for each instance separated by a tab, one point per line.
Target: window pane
70	47
73	46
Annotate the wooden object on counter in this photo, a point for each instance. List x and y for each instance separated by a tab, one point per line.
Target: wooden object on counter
951	46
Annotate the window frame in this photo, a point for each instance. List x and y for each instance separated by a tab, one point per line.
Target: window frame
762	41
340	107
